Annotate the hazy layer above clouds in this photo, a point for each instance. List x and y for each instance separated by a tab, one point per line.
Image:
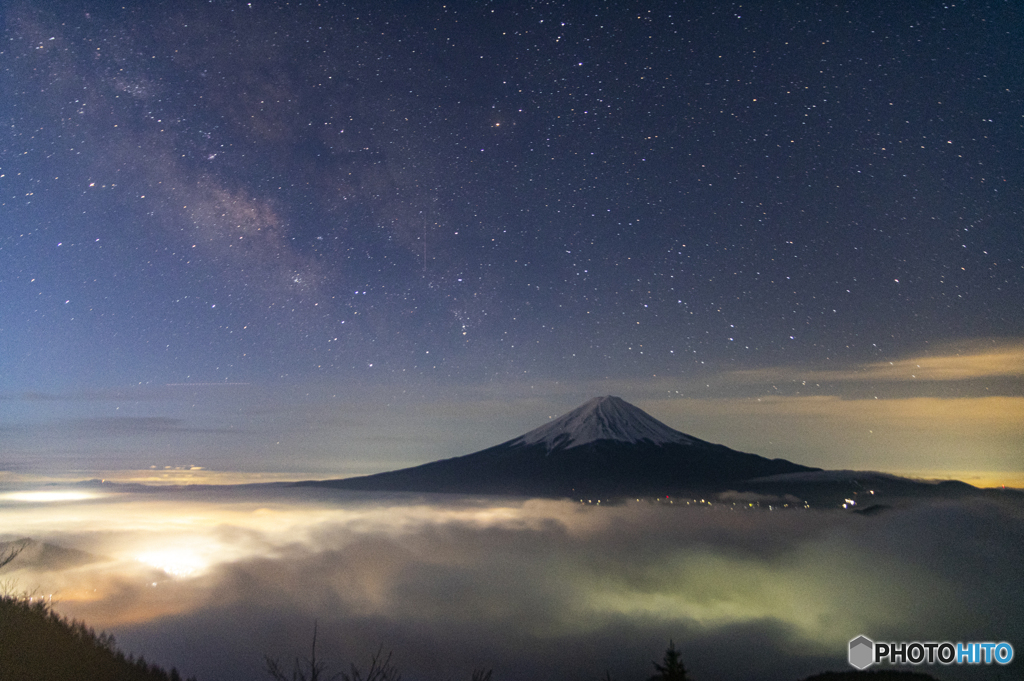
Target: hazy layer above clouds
957	413
210	580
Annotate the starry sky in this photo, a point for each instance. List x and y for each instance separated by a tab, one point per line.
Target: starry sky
338	238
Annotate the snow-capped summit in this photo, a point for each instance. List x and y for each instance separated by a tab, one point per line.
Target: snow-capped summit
604	448
602	418
607	448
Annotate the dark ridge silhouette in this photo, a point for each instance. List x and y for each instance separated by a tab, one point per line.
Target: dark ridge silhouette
605	448
873	509
872	675
32	553
37	644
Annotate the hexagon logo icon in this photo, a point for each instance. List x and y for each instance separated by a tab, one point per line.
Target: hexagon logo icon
862	652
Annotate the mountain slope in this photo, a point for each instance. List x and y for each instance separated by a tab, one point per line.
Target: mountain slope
606	447
37	644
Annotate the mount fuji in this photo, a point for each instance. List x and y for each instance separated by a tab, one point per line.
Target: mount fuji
606	447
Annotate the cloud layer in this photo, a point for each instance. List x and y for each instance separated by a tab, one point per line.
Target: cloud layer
212	581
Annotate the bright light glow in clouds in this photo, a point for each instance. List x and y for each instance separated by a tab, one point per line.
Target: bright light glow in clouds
211	579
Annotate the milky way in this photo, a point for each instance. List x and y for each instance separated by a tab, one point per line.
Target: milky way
383	204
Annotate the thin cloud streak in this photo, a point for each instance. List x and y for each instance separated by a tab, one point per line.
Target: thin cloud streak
1003	361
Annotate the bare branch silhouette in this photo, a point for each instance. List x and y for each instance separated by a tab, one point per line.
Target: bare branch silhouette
11	553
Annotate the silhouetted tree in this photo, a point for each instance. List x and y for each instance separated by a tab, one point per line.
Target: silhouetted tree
380	668
672	668
316	667
10	554
37	644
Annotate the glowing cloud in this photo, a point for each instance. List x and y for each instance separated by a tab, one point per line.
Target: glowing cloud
977	360
49	496
229	576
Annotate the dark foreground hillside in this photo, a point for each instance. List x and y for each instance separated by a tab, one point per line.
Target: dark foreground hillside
37	644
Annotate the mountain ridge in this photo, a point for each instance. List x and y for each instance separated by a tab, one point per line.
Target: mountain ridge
605	447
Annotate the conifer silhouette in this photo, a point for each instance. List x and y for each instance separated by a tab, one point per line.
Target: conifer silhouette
672	668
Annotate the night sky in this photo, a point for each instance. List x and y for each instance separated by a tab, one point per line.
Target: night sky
346	237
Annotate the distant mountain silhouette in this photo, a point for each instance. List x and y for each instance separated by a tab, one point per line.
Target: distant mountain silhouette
872	675
866	489
604	448
35	554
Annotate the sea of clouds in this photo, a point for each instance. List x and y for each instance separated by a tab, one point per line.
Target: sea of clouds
211	580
